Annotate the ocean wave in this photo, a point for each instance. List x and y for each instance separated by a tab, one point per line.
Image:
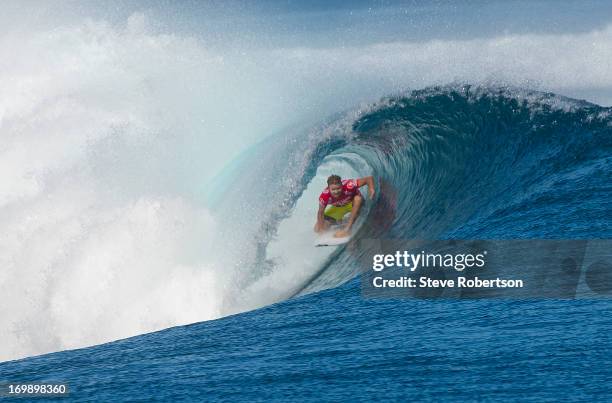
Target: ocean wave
457	161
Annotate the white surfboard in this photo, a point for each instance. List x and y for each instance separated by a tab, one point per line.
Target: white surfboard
327	238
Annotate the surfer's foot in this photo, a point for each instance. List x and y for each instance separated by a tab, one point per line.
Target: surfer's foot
342	233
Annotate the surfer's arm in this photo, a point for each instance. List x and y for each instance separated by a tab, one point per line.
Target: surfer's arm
367	180
320	225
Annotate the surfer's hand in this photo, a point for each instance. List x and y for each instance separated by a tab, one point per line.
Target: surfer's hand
342	233
371	193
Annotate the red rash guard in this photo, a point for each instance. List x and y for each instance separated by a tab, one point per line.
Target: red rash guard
349	191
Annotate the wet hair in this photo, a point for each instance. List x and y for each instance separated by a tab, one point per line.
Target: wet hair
334	180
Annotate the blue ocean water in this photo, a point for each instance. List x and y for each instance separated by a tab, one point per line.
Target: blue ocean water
454	162
334	345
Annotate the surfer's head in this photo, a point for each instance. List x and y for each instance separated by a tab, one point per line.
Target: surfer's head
334	183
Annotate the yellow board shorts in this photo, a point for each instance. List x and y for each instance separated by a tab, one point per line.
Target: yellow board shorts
338	213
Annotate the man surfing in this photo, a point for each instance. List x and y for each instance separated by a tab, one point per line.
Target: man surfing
342	196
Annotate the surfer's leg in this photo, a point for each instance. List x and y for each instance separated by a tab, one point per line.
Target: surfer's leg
329	220
354	210
334	214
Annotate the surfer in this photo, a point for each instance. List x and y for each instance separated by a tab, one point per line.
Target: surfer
342	196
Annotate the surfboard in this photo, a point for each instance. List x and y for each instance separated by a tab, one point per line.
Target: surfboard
327	238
